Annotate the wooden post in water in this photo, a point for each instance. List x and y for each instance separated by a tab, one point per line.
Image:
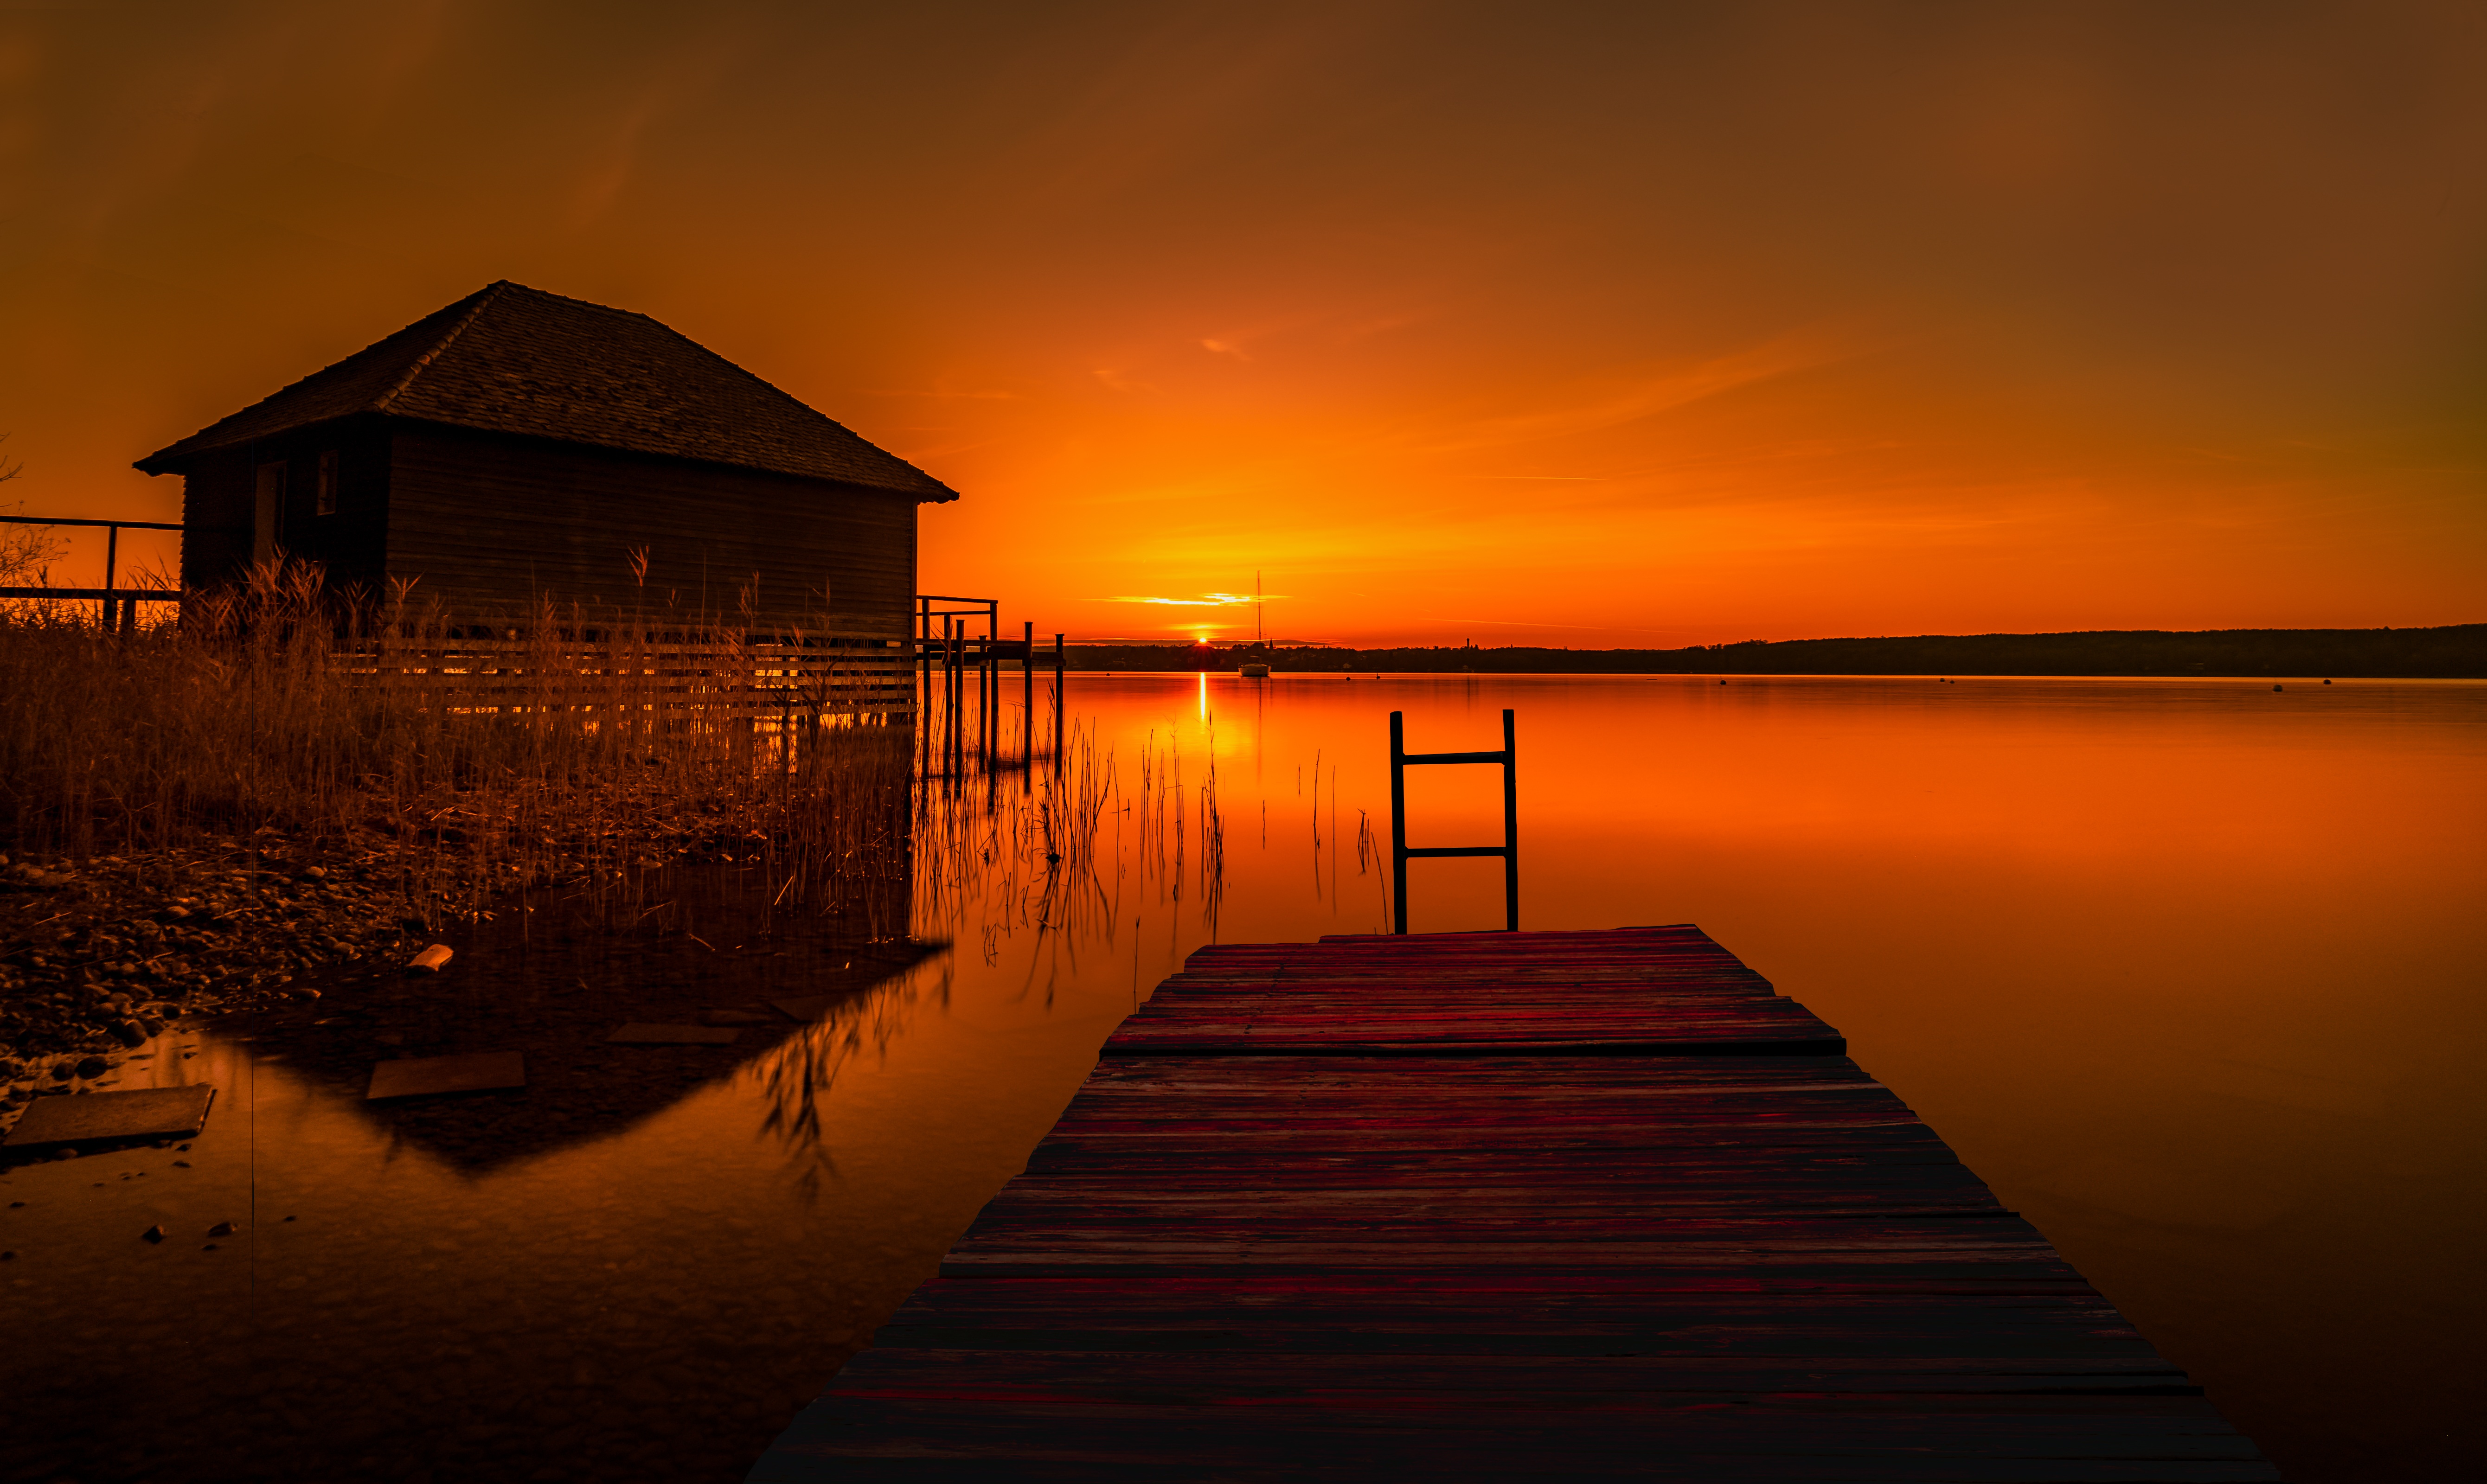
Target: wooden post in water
1027	692
1057	703
988	722
924	669
1400	760
951	736
925	713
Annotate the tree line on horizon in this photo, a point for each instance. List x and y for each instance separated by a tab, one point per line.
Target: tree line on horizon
2449	652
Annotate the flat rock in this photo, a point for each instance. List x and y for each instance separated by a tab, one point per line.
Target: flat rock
809	1007
151	1113
421	1076
638	1033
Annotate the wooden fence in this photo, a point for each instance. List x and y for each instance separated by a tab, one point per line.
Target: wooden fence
855	675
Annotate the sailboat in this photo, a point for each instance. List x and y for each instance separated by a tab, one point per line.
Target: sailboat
1257	669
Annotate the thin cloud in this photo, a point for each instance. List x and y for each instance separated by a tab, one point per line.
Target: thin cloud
678	89
1650	395
1204	601
1367	328
941	395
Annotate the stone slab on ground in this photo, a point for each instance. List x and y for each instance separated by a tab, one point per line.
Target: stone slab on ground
418	1076
101	1117
808	1007
639	1033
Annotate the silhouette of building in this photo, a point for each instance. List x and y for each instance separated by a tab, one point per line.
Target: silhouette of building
518	444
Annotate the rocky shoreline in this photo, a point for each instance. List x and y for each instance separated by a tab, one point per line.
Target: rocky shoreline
98	957
100	954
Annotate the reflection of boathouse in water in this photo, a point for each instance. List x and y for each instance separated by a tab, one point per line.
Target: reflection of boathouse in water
519	444
797	1005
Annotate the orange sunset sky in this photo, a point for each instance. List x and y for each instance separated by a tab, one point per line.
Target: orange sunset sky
1585	324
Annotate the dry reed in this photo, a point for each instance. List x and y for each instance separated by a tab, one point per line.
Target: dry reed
576	745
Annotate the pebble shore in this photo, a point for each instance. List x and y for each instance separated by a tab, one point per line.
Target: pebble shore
97	956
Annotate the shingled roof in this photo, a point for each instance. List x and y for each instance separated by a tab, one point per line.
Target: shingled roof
514	359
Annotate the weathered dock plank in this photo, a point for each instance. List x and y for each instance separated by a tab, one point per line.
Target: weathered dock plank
1539	1205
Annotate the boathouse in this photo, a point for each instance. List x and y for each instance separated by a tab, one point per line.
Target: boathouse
518	445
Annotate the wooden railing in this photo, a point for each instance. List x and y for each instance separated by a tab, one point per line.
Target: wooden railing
120	605
822	674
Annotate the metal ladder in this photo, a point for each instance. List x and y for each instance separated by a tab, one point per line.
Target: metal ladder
1400	760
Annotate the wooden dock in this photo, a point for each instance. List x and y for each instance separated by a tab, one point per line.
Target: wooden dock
1542	1205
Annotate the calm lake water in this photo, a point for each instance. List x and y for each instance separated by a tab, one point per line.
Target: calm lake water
2189	971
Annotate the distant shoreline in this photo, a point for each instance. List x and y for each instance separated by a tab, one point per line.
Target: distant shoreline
2453	651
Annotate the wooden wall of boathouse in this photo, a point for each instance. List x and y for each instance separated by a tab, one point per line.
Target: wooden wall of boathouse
487	524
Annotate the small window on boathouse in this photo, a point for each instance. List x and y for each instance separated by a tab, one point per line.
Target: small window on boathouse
327	504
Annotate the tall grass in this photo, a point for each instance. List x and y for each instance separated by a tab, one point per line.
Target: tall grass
584	742
569	746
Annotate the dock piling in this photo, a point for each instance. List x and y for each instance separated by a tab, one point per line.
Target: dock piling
960	650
